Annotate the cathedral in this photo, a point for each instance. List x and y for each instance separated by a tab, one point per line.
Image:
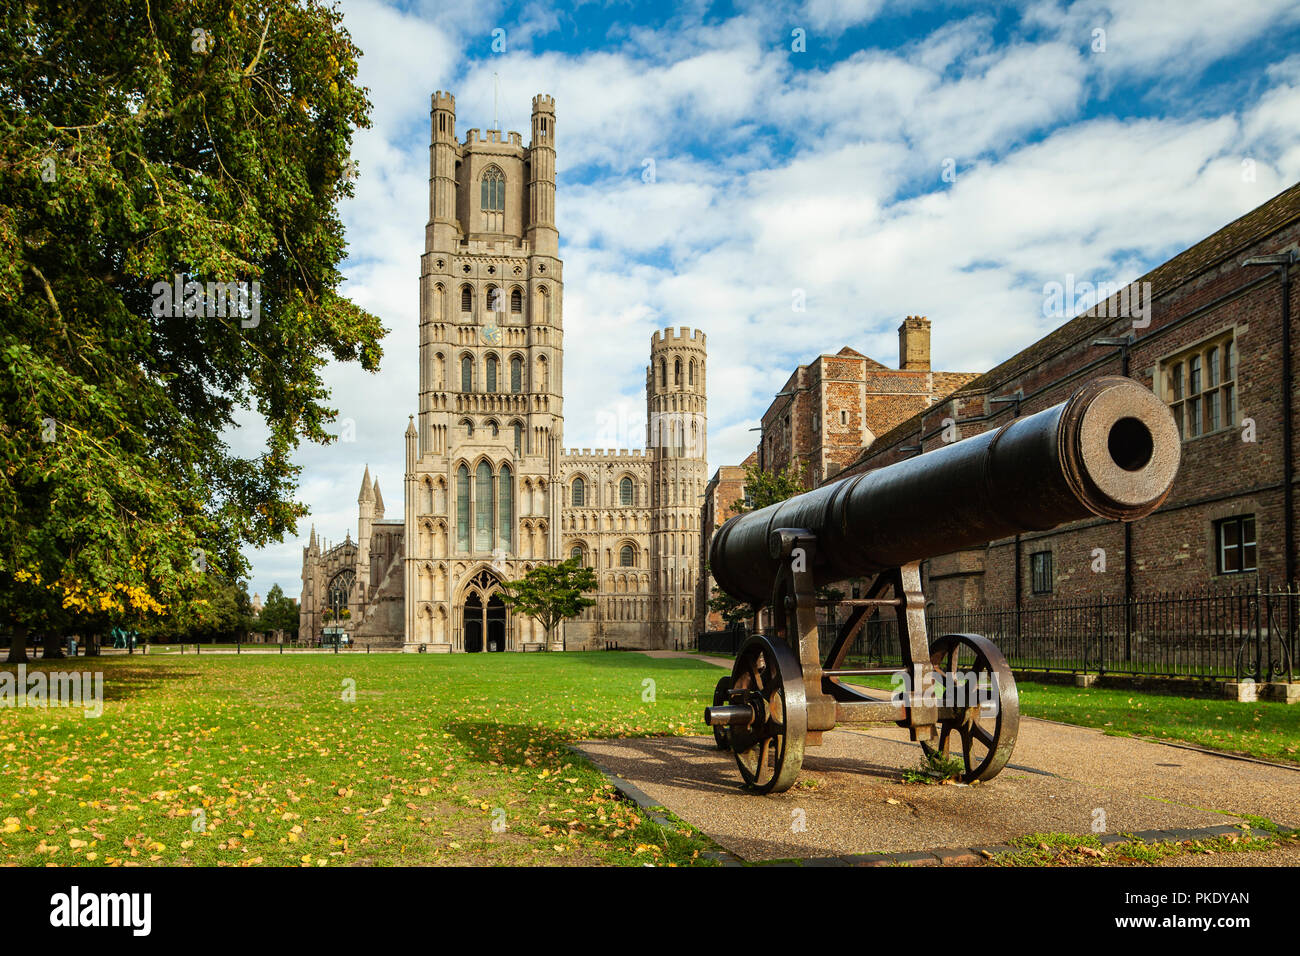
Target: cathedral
490	491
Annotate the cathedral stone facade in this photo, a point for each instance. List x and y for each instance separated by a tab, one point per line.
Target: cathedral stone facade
489	490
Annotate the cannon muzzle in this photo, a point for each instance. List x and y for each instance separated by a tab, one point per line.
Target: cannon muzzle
1111	450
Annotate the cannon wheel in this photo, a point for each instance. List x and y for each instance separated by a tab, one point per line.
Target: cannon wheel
986	732
769	751
720	699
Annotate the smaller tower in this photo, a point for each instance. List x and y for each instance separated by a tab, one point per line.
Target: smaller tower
676	416
307	609
365	515
443	150
542	234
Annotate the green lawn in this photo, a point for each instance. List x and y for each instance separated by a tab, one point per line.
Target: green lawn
1269	730
440	759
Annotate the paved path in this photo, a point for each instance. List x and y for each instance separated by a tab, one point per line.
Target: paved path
726	662
850	797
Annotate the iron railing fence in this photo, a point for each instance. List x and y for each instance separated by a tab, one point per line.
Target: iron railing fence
1223	634
1228	633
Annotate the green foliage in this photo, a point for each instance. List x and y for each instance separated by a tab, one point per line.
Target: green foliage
137	150
551	593
936	767
279	613
762	488
220	611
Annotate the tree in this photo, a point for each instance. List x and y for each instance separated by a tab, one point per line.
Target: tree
169	252
551	593
221	611
279	613
762	488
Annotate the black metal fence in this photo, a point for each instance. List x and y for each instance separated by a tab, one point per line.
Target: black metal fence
1224	634
1229	634
721	642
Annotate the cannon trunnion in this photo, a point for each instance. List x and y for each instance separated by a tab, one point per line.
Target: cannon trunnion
1111	450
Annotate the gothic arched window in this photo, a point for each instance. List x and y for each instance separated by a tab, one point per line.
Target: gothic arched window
516	374
677	372
625	492
516	301
492	373
577	554
626	556
493	203
579	495
466	299
494	190
466	373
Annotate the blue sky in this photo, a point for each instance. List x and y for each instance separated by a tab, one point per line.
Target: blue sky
1093	139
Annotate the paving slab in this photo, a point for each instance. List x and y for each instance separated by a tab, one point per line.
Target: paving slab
851	799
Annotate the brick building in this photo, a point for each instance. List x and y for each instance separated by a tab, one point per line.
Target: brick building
829	410
1216	341
823	417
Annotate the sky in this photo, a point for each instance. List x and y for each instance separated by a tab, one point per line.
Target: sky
718	165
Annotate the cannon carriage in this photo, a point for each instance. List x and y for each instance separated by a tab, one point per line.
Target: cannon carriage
1110	451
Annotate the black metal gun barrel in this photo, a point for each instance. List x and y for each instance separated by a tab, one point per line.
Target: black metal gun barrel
1110	450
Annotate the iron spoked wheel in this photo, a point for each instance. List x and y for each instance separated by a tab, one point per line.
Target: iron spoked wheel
720	699
977	678
769	750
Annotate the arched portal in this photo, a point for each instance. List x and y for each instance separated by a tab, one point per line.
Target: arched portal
485	619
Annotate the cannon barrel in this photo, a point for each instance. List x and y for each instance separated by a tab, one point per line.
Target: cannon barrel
1111	450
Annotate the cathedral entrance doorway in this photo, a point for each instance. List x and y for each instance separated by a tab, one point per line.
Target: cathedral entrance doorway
483	615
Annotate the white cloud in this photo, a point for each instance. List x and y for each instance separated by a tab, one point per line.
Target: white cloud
771	175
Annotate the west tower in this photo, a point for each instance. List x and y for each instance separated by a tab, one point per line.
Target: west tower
487	440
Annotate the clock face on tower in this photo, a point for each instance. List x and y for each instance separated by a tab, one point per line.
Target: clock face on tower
491	335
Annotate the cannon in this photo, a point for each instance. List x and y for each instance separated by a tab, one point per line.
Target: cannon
1111	450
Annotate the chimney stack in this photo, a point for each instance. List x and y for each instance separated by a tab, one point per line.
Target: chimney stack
914	344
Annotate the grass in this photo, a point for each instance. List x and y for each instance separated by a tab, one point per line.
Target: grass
248	760
1269	730
261	759
1066	849
936	767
